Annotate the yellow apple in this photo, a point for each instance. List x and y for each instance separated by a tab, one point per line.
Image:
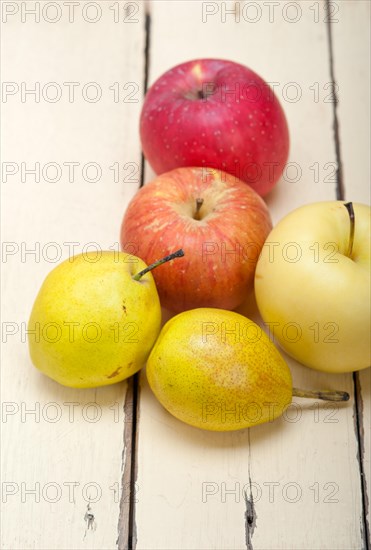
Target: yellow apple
312	285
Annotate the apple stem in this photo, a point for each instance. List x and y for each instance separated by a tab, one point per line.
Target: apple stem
178	254
349	207
326	395
199	203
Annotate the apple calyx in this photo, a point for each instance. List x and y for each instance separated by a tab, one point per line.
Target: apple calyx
199	203
178	254
325	395
349	207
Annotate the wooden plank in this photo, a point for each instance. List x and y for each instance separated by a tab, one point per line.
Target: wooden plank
351	46
71	450
304	473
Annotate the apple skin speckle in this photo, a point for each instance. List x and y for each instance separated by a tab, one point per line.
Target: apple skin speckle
223	245
239	103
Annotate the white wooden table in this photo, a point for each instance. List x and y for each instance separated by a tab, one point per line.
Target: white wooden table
109	468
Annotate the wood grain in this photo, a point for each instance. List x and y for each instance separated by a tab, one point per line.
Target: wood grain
352	72
79	470
72	452
294	469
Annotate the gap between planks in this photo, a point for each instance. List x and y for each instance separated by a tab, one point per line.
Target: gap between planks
127	527
341	195
127	533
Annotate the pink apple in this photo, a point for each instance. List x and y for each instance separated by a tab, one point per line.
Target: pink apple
216	113
218	220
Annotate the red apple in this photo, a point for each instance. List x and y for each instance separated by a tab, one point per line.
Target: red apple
216	113
218	220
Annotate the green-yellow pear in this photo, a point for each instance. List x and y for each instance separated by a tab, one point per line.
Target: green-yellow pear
217	370
94	323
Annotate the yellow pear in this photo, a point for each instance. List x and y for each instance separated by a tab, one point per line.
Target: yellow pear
217	370
94	323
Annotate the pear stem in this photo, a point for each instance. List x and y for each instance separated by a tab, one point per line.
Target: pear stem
326	395
349	207
178	254
199	203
